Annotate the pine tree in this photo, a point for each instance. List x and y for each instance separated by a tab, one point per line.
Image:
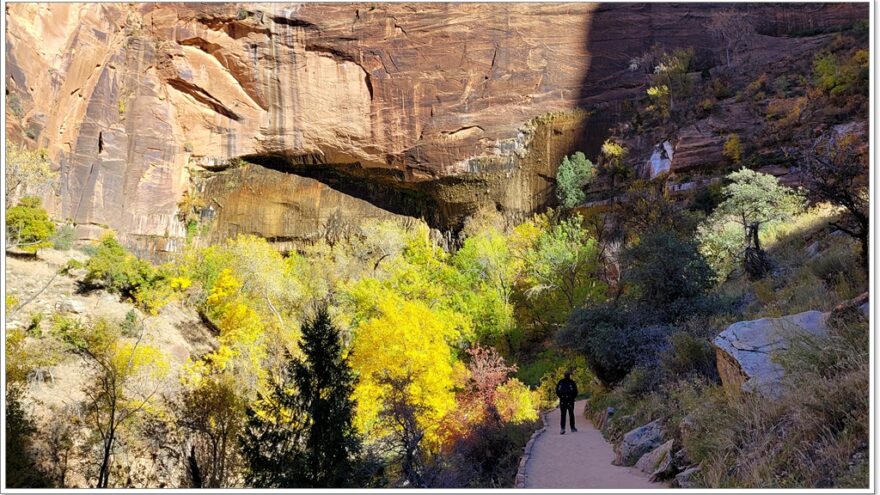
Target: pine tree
307	439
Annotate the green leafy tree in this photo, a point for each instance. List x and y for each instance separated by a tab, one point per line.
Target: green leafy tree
753	201
28	226
574	173
306	437
116	269
666	273
563	264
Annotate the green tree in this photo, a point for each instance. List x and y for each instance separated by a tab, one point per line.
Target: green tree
117	270
665	273
574	173
307	438
562	264
28	226
752	201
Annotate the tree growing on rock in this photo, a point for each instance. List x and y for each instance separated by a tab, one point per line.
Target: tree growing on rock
734	30
126	382
574	173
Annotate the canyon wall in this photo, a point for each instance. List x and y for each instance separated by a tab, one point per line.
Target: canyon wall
358	110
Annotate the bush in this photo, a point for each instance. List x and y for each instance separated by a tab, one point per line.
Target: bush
837	78
665	273
64	237
117	270
613	340
130	326
28	226
689	355
574	173
488	457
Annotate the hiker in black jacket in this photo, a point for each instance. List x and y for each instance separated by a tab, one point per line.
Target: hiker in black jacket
566	390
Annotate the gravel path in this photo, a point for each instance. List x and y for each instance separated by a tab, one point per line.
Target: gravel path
579	459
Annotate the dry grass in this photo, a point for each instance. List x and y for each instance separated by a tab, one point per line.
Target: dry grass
815	435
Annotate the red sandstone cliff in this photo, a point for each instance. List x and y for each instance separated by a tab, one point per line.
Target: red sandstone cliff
456	105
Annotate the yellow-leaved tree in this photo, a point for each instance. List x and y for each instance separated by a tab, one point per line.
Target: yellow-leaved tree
404	353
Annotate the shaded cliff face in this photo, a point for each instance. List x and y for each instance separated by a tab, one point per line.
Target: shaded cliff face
451	106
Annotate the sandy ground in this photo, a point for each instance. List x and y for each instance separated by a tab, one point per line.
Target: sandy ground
579	459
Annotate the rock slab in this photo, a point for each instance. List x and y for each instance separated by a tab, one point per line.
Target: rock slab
745	350
639	442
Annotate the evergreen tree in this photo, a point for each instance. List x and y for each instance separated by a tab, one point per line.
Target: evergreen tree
304	436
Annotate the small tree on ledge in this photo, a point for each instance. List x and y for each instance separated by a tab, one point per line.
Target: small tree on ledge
574	173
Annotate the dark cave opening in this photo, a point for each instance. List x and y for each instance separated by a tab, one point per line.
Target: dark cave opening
382	188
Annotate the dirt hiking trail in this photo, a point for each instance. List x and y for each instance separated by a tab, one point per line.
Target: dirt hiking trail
579	459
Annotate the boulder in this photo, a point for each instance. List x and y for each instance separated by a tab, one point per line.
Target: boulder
657	462
638	442
685	479
746	349
71	306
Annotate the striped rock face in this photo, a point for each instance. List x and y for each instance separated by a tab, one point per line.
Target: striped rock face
455	106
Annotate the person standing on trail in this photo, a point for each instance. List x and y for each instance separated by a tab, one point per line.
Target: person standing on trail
566	390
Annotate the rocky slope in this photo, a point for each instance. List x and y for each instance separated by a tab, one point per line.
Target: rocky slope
450	106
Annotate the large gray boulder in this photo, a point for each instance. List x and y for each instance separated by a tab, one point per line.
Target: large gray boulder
745	351
639	442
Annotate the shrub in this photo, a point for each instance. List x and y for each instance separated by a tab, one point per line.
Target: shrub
574	173
689	355
487	457
33	328
117	270
28	226
660	100
613	340
835	78
64	237
720	88
130	326
665	273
